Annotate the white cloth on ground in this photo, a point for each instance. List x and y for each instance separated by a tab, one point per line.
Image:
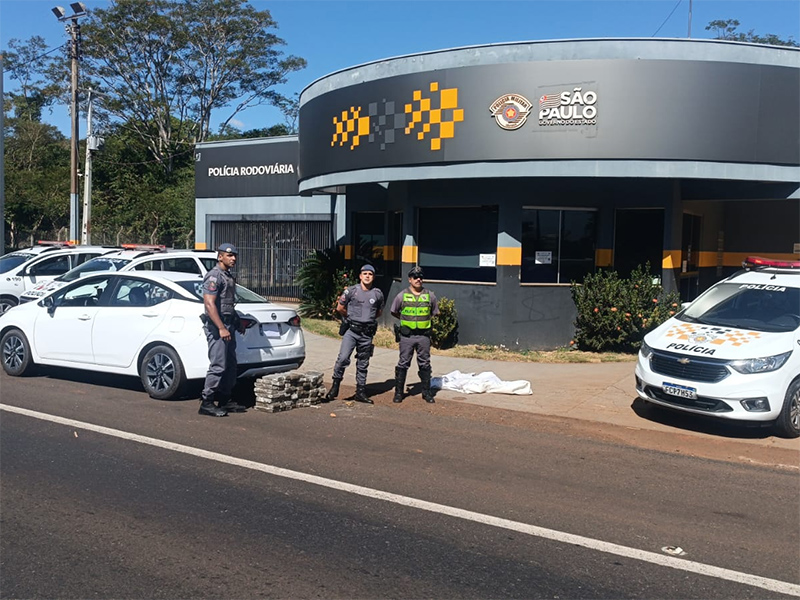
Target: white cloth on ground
482	383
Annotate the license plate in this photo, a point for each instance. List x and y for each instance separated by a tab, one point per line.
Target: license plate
682	391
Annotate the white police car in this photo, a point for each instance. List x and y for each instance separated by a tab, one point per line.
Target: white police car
733	353
25	269
136	257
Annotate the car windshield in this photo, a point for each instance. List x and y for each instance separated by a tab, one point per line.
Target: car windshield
101	263
757	307
243	295
13	260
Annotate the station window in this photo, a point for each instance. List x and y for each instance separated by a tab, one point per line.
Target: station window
558	245
452	240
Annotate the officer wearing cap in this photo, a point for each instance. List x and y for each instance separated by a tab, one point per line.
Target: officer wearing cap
219	323
360	306
415	307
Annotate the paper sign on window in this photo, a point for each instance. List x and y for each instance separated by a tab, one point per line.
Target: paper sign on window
544	258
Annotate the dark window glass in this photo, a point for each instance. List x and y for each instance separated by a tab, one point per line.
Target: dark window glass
558	246
451	241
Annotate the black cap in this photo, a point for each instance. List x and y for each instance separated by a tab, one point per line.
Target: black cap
229	248
369	268
415	272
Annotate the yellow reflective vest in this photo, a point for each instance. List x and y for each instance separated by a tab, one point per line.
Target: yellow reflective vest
415	311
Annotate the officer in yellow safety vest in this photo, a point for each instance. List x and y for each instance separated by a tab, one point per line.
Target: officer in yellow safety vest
415	307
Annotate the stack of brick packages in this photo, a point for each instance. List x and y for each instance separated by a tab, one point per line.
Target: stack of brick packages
285	391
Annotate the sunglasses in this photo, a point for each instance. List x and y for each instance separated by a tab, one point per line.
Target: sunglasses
416	277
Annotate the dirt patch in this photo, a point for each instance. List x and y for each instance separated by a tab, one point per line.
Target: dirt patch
714	446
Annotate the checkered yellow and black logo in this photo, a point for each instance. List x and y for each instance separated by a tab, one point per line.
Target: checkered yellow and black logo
428	116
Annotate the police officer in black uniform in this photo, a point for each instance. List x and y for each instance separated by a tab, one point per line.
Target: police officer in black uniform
415	306
360	306
220	323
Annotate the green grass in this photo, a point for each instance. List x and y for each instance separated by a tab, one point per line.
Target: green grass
385	339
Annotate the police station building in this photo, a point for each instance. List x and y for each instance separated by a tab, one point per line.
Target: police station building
507	171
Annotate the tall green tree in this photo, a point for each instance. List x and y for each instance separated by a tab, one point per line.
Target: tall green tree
169	66
727	30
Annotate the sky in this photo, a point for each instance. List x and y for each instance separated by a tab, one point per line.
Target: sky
334	34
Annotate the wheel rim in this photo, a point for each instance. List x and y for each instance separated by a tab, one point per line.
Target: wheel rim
794	410
160	372
4	306
13	352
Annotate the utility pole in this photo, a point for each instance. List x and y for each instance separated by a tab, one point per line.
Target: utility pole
74	31
690	20
86	232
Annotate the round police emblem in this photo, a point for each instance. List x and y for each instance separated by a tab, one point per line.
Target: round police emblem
701	337
511	111
372	300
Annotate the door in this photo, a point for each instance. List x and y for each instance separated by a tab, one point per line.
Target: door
65	331
689	279
134	309
638	239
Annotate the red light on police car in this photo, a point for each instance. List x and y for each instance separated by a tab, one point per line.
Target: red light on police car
757	261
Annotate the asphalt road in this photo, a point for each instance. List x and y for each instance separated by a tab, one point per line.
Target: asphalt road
356	501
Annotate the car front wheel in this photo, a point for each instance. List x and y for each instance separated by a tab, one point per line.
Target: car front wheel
16	353
162	373
7	302
788	423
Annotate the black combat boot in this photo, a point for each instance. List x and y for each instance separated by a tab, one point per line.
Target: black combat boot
208	408
229	405
425	378
361	395
399	384
334	391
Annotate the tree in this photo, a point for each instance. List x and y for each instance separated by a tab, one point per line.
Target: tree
170	65
726	30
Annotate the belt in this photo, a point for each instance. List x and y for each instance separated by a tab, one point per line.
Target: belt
368	328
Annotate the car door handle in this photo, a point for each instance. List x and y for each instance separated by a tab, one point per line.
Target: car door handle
85	317
150	315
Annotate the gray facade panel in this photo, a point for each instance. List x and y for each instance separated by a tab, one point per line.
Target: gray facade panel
643	110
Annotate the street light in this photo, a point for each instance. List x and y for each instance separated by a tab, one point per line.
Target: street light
74	31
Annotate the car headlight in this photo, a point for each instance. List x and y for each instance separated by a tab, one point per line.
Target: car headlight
760	365
645	351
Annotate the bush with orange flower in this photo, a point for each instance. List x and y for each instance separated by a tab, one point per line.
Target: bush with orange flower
615	313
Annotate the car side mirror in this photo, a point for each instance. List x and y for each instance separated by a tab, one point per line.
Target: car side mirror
49	304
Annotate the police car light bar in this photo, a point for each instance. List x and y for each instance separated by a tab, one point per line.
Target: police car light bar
54	243
757	261
153	247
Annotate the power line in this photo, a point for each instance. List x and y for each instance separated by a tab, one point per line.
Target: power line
667	19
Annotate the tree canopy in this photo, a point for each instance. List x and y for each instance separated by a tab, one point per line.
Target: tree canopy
727	30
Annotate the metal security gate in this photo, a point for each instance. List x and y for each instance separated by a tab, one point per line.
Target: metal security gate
271	252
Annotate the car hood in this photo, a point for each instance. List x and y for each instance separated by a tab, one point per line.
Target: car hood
718	342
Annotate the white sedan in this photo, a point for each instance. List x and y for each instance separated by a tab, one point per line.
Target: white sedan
144	324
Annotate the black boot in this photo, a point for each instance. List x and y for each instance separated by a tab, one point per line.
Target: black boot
334	391
399	384
361	395
208	408
425	378
229	405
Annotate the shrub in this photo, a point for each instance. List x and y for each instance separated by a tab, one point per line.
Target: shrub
445	325
322	277
615	314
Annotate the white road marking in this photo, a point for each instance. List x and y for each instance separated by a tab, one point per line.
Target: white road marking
766	583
